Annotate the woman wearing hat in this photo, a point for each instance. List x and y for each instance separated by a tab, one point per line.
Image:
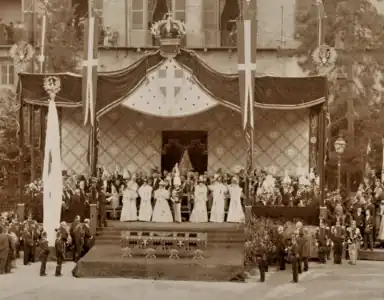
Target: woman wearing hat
145	193
129	210
235	210
162	211
218	206
199	213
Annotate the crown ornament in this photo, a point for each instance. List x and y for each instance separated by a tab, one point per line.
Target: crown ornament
169	32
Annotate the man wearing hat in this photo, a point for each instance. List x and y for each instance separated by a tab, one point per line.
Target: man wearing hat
76	236
60	250
44	253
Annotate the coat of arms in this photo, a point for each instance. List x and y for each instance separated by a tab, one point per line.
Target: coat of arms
324	56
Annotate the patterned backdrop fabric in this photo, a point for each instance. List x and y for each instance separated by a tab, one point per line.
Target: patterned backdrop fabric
132	140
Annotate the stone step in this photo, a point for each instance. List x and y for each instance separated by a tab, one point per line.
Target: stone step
230	244
210	239
217	233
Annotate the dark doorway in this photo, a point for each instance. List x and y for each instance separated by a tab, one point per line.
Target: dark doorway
188	148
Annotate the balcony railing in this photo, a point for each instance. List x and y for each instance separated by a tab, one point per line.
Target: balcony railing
141	38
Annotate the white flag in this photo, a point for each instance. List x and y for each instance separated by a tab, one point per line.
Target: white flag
52	175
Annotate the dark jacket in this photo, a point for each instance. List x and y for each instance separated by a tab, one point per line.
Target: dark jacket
4	246
304	246
44	246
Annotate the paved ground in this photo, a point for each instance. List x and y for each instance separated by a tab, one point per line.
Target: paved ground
364	281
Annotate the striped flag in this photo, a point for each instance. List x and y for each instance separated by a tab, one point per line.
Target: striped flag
91	40
246	51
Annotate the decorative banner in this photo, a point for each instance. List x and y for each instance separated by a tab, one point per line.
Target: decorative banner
52	171
91	40
324	56
246	43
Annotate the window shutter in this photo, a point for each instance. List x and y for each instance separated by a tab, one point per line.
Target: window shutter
179	13
138	10
211	32
194	22
302	7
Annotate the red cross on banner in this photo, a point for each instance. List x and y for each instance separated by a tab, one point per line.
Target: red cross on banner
246	51
91	39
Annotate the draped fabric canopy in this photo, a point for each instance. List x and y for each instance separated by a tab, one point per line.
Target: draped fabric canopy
113	87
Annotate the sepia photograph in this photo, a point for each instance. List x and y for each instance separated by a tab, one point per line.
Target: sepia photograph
192	149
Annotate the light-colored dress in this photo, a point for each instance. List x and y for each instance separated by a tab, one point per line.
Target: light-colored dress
162	211
145	211
218	205
381	231
235	210
115	198
199	213
129	210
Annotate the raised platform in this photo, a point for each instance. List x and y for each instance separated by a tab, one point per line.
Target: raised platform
375	255
223	253
106	261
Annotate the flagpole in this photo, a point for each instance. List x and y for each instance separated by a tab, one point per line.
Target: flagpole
382	161
324	129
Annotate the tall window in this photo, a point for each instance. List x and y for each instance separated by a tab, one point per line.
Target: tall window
211	23
138	14
7	73
231	12
178	9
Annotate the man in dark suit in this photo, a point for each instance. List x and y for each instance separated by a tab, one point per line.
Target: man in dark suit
28	246
304	249
60	250
280	247
4	249
76	235
368	230
102	202
44	253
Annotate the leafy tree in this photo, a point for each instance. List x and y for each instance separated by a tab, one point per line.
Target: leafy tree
63	37
355	29
9	128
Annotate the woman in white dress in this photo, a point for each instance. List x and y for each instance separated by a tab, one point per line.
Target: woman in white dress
219	191
381	231
235	210
199	213
129	210
162	211
145	193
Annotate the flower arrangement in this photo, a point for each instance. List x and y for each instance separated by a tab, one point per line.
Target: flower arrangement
34	188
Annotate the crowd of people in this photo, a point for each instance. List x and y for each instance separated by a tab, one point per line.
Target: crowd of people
29	237
177	197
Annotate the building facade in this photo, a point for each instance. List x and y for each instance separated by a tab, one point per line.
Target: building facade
282	137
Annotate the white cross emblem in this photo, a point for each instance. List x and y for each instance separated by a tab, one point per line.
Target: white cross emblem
89	64
248	67
170	84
